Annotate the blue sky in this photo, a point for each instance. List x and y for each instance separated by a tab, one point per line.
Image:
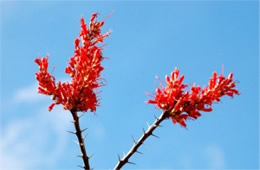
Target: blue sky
148	39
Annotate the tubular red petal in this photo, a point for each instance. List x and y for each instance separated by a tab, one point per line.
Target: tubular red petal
167	78
151	102
176	74
45	63
206	109
77	41
51	106
182	123
181	79
230	76
68	70
194	114
174	120
93	16
38	61
230	94
172	75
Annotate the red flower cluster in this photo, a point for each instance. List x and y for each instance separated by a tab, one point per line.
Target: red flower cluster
187	104
84	68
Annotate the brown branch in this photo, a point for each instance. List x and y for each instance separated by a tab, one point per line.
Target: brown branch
78	133
137	144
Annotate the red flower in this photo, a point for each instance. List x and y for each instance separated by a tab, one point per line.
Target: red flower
187	104
84	68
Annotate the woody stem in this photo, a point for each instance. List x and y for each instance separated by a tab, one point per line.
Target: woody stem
78	133
137	144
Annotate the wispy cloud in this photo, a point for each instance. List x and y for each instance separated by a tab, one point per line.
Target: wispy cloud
38	140
35	141
28	94
215	156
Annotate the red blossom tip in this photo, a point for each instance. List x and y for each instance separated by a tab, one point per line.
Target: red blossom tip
51	106
183	104
84	68
230	76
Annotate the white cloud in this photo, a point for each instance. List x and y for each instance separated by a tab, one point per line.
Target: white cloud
28	94
35	141
39	139
215	157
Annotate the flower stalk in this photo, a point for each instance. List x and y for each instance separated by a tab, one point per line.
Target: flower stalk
137	144
84	68
78	133
179	104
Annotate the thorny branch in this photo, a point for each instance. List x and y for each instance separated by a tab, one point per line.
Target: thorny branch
137	144
78	133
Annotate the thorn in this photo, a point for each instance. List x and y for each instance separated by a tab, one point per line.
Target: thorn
139	152
81	166
71	132
131	162
91	156
73	121
119	159
156	117
133	139
155	135
143	130
83	130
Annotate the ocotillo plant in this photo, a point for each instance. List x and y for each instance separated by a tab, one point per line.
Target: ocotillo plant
80	95
180	105
84	68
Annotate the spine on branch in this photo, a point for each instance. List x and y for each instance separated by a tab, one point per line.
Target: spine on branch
81	143
137	144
